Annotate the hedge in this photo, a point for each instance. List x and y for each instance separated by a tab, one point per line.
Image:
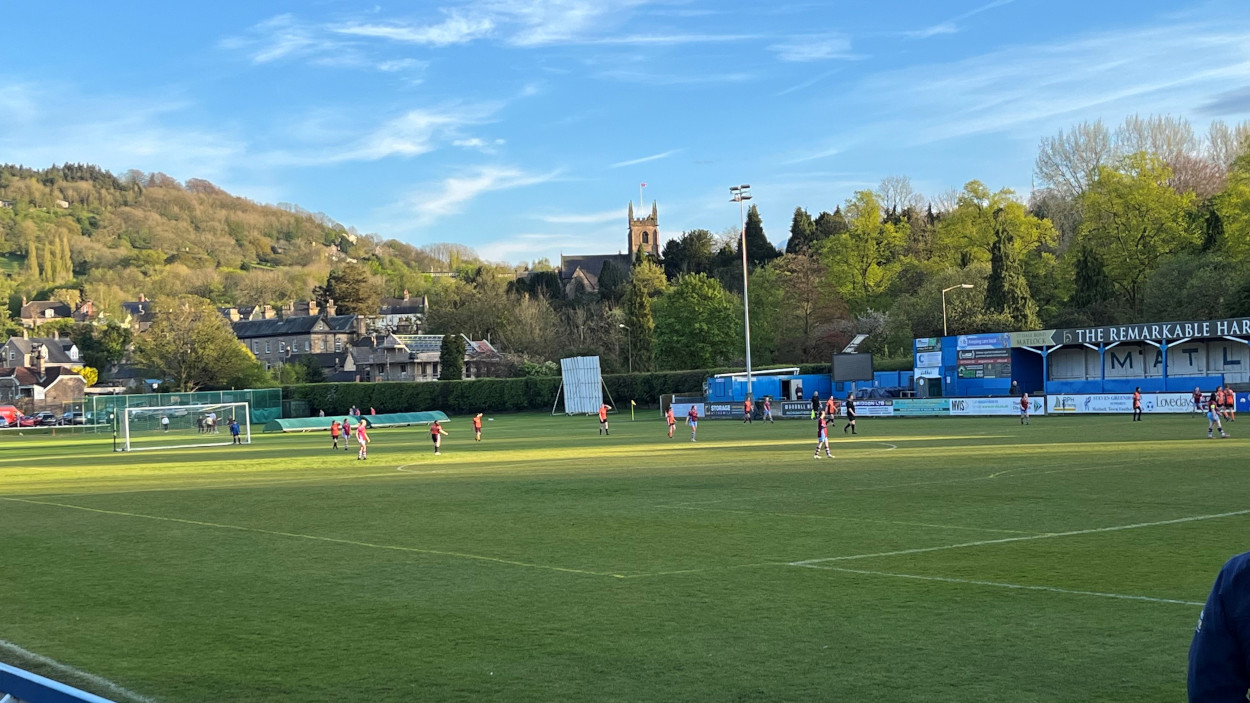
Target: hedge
485	394
502	394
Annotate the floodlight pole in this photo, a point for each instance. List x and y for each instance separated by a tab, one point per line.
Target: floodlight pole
629	336
741	194
961	285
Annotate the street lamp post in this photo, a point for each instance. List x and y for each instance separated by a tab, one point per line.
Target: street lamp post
741	194
630	337
961	285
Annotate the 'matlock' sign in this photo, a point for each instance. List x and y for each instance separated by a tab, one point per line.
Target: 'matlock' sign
1114	334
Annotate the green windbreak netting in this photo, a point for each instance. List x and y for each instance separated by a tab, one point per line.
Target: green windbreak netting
314	424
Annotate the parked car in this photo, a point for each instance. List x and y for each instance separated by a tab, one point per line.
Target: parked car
4	422
46	419
27	421
73	417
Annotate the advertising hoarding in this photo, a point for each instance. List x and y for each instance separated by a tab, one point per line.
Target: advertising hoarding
921	407
995	406
1078	404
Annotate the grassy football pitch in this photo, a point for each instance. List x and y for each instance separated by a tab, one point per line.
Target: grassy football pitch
931	560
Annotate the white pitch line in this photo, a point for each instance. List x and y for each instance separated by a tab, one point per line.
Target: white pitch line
1005	540
404	468
999	584
315	538
100	681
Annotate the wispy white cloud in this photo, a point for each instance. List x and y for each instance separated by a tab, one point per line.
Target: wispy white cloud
1168	68
814	48
528	246
415	132
645	159
276	38
663	79
951	26
396	65
453	194
457	28
479	144
521	23
815	155
585	218
666	39
804	85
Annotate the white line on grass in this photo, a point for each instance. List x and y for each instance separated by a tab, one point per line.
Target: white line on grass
1026	538
315	538
999	584
103	683
849	519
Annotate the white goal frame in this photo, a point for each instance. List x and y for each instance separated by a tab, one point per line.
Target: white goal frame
123	428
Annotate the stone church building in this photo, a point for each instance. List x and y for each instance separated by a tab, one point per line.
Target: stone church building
581	273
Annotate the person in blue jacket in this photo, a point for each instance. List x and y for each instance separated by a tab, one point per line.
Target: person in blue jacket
1219	657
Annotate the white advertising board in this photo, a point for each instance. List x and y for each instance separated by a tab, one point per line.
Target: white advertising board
872	408
928	359
995	406
1075	404
682	410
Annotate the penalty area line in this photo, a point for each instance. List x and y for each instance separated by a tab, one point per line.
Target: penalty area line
1025	538
95	680
999	584
316	538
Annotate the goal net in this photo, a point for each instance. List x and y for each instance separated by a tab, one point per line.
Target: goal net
182	426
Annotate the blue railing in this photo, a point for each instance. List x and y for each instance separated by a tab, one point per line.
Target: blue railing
19	686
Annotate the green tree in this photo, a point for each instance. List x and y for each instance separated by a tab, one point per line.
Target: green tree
810	305
641	324
692	252
1006	290
1233	208
32	258
649	277
192	346
830	224
354	290
864	260
451	358
967	233
698	324
759	249
1191	287
612	281
1134	218
1093	286
104	345
802	232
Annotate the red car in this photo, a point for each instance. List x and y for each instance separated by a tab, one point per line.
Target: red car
27	421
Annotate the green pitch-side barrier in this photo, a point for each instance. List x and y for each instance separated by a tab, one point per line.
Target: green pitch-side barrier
315	424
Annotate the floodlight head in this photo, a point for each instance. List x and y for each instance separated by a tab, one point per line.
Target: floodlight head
621	326
966	285
744	186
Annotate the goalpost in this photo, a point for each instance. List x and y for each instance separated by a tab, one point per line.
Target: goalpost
181	426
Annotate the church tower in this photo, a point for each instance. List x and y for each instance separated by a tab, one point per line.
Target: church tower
644	231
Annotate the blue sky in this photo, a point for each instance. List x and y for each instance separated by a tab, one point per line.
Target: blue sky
523	128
